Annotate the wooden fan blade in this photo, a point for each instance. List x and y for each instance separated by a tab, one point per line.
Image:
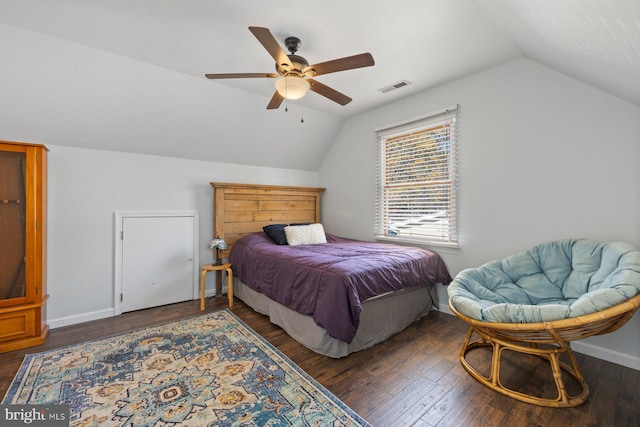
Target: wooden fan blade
269	42
342	64
328	92
240	75
275	102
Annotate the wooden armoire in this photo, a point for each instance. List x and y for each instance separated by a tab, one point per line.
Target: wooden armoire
23	245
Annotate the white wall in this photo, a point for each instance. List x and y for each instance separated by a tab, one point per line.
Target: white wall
542	157
87	186
63	93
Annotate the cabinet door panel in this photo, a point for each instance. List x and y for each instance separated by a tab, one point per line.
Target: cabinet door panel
17	324
12	225
23	246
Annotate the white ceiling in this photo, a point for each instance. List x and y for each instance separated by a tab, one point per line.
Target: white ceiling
594	41
427	42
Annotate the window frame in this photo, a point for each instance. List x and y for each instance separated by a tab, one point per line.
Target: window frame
445	116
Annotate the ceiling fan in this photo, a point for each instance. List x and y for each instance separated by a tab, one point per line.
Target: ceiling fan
293	72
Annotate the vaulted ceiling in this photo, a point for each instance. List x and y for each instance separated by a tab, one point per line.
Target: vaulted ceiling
129	75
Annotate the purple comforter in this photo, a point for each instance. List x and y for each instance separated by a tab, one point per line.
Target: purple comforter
330	281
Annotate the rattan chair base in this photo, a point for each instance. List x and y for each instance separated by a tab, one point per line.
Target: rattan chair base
563	399
547	340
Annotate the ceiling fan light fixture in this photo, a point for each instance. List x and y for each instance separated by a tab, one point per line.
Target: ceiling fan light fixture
292	87
294	76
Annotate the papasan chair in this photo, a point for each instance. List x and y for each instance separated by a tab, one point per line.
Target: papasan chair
536	302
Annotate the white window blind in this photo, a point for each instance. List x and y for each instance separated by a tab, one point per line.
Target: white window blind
417	179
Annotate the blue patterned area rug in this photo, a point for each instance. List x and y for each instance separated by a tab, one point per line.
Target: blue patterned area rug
211	370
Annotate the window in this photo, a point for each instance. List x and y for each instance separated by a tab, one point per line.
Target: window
417	183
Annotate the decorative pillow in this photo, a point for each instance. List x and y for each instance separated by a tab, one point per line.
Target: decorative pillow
305	234
276	233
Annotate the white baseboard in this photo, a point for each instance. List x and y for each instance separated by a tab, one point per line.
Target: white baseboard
609	355
101	314
445	309
208	293
80	318
582	347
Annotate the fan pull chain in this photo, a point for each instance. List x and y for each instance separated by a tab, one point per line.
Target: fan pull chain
286	97
302	110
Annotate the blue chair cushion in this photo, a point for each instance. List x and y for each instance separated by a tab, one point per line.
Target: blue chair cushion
552	281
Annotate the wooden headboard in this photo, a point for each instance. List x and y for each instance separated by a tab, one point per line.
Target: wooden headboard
241	209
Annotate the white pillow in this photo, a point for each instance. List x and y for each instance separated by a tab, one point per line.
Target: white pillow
305	234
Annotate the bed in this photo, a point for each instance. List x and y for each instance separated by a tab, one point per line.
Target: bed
352	307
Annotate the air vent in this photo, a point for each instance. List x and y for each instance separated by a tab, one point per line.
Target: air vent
395	86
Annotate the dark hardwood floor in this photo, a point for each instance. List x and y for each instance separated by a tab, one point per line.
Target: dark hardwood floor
412	379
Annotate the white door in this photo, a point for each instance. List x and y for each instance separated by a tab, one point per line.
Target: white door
157	261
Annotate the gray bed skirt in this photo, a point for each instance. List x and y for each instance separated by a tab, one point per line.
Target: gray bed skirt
381	317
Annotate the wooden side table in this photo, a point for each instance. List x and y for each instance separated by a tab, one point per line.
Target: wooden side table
212	267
